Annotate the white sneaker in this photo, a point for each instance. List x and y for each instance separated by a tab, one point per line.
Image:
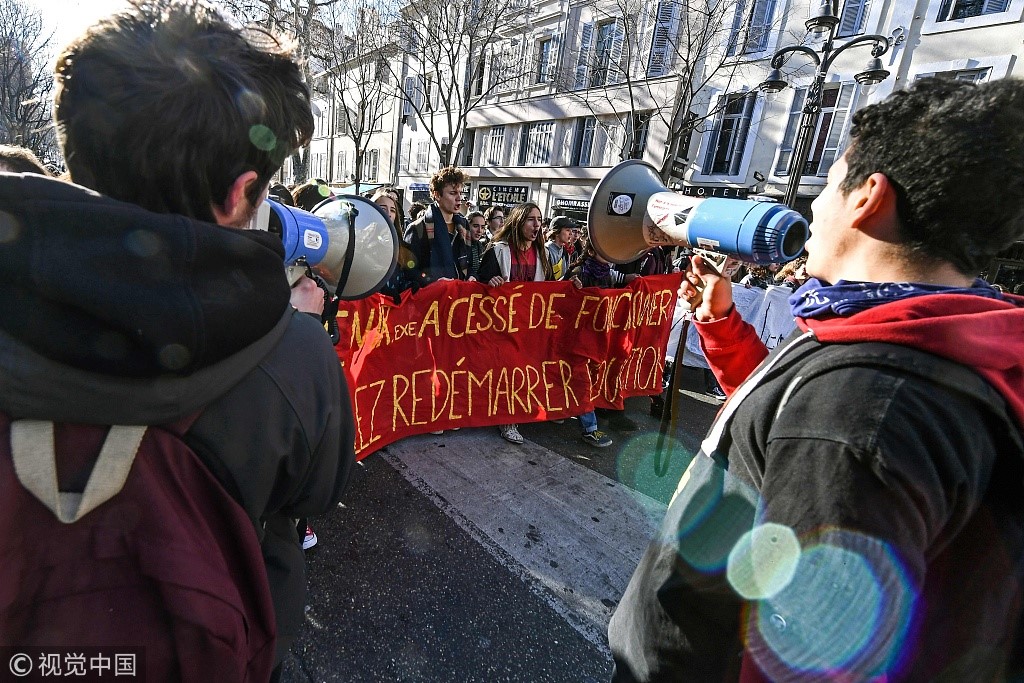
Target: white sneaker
310	538
438	433
511	434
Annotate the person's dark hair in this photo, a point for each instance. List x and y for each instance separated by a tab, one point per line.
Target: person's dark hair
281	193
450	175
14	159
310	193
165	104
473	214
510	233
491	210
416	209
954	151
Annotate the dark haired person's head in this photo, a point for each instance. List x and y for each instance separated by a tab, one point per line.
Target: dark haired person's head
416	209
282	194
953	152
446	188
310	193
14	159
168	106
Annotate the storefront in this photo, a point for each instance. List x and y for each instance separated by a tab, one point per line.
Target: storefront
571	207
419	192
501	195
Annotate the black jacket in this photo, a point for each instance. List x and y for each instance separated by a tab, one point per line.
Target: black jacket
857	508
110	314
443	256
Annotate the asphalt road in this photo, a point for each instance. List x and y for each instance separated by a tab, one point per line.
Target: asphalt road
464	558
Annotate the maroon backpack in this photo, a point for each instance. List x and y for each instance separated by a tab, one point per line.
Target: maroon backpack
153	554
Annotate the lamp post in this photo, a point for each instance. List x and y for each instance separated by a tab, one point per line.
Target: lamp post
824	22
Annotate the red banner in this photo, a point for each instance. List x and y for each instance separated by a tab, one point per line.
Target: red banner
463	354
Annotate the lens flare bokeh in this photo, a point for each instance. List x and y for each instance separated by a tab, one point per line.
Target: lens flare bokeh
844	614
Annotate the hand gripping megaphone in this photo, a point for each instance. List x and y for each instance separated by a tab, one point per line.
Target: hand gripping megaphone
348	241
632	211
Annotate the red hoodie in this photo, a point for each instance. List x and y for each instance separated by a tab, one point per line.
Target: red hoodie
984	334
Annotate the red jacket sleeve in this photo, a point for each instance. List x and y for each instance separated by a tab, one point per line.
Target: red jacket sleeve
732	349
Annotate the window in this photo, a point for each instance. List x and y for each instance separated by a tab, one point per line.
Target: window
964	9
495	146
429	85
829	136
383	70
342	164
535	145
413	94
639	125
422	155
666	30
729	135
611	153
341	120
543	60
853	18
607	53
320	110
972	75
468	143
757	20
478	75
583	142
372	165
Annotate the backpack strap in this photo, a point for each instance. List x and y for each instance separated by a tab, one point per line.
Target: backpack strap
35	464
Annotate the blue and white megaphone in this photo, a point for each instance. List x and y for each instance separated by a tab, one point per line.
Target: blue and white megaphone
632	211
348	241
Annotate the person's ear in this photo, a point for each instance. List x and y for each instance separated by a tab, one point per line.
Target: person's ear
236	209
873	204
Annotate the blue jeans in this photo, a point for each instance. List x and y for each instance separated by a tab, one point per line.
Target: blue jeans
589	422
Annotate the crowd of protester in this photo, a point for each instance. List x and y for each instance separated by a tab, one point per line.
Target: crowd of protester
954	503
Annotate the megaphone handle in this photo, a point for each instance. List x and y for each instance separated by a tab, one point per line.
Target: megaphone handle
346	266
294	273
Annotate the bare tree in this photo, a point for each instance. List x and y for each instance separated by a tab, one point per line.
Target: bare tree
303	22
631	50
26	81
456	54
709	46
358	77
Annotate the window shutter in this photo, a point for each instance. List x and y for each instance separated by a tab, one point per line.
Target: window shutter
737	28
666	29
583	60
995	6
554	54
854	16
410	94
786	148
615	67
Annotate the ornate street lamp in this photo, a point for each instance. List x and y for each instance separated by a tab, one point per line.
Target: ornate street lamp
823	22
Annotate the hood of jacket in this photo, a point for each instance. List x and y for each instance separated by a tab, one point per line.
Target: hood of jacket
102	301
986	335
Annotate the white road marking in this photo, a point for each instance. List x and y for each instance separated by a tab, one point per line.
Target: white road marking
573	535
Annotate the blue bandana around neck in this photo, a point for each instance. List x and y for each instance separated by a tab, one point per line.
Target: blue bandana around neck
816	299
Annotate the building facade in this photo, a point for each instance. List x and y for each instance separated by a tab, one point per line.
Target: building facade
566	89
